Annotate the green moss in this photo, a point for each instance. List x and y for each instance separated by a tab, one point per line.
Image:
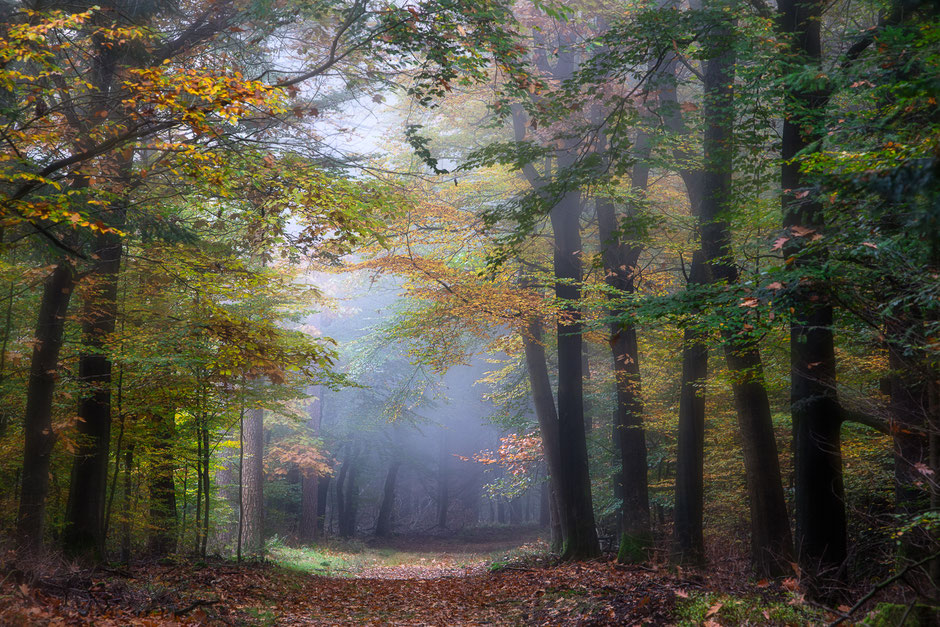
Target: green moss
742	610
634	548
894	614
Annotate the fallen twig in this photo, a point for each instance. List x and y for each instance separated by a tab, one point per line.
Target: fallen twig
192	606
882	585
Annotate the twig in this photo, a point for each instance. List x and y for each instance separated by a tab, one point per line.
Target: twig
192	606
884	584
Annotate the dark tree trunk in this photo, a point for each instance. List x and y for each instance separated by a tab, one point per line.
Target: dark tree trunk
573	480
339	494
908	411
253	483
690	485
574	487
163	520
38	435
770	529
127	501
347	521
323	492
84	514
912	432
383	524
821	538
620	261
544	402
309	493
545	505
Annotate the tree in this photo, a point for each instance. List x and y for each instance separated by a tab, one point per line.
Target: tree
817	422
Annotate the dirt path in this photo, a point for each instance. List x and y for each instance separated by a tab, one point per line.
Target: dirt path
225	594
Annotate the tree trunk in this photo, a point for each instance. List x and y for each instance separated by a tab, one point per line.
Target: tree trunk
309	488
163	520
347	522
620	260
821	538
443	483
84	514
127	500
690	456
253	483
38	435
323	492
383	524
770	528
544	402
339	493
577	512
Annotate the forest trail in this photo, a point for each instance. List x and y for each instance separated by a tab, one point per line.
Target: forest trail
405	581
264	594
487	577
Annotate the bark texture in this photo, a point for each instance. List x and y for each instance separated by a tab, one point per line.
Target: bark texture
253	483
38	435
821	538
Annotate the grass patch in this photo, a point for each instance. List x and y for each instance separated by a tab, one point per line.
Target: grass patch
743	610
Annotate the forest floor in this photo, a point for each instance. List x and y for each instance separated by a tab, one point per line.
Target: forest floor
477	579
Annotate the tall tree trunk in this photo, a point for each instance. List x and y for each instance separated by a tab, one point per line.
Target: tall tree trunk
690	484
443	482
323	492
770	528
351	512
620	265
544	402
309	480
38	435
577	512
7	329
253	482
127	502
339	492
163	520
821	537
84	514
574	481
383	524
206	487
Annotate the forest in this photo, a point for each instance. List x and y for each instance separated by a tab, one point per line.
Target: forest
465	312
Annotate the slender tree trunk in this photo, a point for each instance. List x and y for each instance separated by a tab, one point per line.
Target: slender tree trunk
770	529
253	479
163	521
127	501
206	488
821	537
351	502
573	479
323	489
443	482
620	261
38	435
577	512
339	492
690	485
309	480
383	524
7	329
544	402
198	520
